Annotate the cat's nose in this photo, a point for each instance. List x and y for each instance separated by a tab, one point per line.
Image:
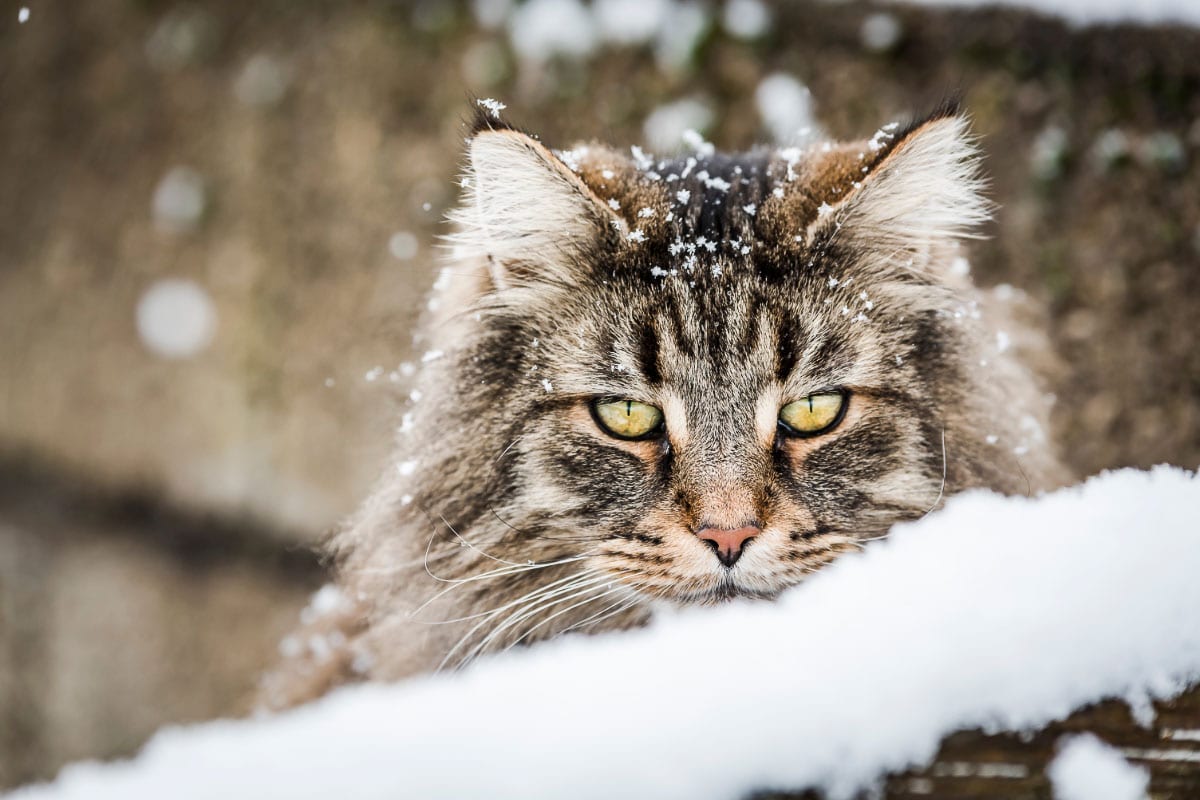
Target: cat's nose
728	544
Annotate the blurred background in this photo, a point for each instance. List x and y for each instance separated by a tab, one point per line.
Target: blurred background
218	220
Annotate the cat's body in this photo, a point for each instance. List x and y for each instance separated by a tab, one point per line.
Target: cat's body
710	291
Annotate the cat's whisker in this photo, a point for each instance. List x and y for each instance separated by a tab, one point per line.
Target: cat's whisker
928	511
403	566
498	609
407	618
620	606
462	540
473	547
560	612
537	606
530	598
511	444
528	534
1025	475
539	609
942	488
565	594
499	572
429	545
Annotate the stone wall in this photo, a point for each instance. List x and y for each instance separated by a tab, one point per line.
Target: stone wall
118	614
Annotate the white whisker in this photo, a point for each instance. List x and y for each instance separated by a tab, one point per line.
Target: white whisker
560	612
532	608
473	547
572	577
621	605
928	511
510	447
942	489
499	572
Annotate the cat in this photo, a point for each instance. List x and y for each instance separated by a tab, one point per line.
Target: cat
678	382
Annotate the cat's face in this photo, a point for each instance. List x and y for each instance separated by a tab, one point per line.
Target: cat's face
714	375
715	370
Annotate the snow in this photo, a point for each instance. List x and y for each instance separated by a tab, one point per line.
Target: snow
403	245
693	139
786	108
630	22
262	83
176	318
324	602
23	15
666	125
880	32
746	19
491	14
1093	12
1049	153
1000	613
179	200
1088	769
542	29
686	24
492	106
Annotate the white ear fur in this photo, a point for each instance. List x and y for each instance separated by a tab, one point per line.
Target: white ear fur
525	206
925	193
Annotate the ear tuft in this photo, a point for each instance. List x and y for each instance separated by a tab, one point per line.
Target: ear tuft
486	116
527	213
922	193
949	107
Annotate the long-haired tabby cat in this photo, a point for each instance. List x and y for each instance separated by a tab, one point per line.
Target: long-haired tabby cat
677	382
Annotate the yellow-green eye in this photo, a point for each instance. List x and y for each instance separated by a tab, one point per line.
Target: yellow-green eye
814	414
627	419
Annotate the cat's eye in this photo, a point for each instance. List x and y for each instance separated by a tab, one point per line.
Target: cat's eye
627	419
814	414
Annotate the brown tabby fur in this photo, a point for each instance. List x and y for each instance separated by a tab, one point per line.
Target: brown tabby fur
718	288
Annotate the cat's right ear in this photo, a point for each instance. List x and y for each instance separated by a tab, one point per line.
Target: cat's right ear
527	213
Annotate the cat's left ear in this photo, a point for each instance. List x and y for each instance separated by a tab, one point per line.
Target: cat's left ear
528	213
918	190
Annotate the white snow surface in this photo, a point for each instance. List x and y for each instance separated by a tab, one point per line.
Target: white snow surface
1088	769
1005	613
1093	12
176	318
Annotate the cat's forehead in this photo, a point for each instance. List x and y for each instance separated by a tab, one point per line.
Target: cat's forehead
736	337
710	203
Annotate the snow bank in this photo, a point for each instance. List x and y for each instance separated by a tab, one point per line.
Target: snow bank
1001	613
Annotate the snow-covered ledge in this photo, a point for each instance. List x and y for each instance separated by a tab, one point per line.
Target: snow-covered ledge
1001	613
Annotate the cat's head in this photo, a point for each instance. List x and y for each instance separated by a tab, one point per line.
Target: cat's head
713	374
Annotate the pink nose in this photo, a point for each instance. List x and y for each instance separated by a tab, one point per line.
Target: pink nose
728	544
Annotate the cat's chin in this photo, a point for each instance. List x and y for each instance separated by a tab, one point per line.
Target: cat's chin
723	592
